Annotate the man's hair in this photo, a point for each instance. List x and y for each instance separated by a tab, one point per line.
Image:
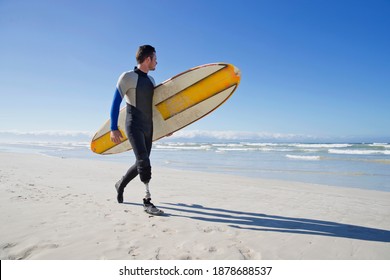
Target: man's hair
144	52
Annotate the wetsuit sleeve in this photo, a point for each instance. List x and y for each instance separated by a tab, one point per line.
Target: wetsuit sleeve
116	103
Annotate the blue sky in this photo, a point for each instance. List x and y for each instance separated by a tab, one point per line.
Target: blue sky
309	68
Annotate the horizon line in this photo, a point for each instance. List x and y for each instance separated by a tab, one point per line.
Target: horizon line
227	135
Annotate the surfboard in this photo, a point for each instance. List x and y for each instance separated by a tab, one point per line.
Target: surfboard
177	102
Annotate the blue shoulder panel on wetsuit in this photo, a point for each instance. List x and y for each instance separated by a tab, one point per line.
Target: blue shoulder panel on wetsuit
116	103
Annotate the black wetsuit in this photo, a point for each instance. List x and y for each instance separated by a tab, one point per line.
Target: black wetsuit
137	88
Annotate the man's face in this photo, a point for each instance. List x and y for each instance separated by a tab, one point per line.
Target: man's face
153	62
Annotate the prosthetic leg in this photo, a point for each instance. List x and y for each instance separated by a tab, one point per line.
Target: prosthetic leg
148	205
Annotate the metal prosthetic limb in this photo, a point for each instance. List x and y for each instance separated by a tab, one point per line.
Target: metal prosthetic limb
147	191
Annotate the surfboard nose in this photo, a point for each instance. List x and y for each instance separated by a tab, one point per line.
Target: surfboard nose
237	74
237	71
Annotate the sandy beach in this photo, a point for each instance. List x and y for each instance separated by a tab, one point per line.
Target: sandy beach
54	208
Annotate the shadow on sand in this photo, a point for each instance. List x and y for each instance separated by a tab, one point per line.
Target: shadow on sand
263	222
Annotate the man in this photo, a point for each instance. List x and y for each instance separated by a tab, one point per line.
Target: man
137	87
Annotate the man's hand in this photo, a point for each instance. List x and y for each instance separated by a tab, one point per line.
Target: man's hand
116	136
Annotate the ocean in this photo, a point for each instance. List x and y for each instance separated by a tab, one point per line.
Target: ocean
354	165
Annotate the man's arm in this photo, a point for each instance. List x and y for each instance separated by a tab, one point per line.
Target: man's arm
115	135
116	103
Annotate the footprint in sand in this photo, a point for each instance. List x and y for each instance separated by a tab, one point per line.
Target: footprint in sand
211	229
212	249
186	257
7	246
133	251
27	252
244	252
168	230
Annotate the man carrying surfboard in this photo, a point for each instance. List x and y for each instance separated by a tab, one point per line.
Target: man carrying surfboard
137	87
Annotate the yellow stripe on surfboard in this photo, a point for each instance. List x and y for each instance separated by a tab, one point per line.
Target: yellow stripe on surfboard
104	143
198	92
